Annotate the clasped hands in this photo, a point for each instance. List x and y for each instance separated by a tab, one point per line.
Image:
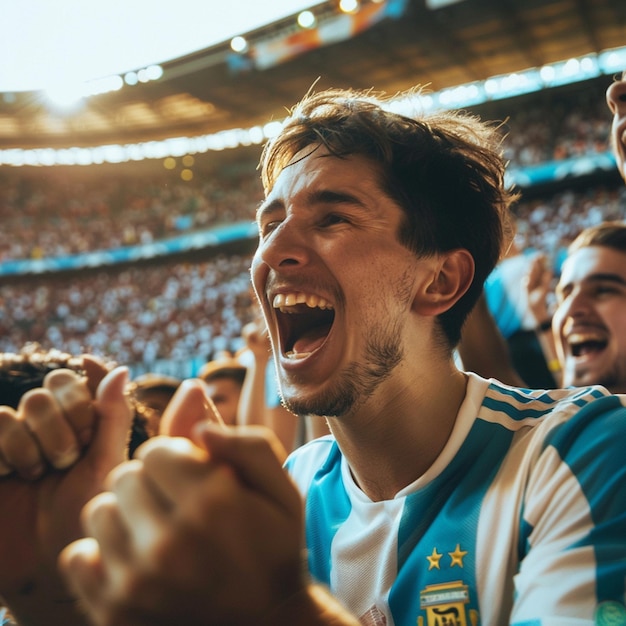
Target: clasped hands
199	530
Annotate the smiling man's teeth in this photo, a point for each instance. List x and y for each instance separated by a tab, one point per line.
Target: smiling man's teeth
296	355
284	301
579	337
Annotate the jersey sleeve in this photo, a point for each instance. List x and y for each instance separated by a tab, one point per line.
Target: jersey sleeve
572	543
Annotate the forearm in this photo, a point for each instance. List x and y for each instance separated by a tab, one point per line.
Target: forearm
484	350
252	400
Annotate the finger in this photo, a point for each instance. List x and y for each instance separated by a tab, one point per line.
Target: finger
257	456
73	396
49	426
101	519
81	566
114	413
189	405
141	505
174	464
18	448
95	371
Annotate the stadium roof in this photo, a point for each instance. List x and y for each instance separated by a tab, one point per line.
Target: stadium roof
394	45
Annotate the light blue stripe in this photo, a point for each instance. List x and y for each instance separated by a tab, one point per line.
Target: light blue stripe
593	444
327	508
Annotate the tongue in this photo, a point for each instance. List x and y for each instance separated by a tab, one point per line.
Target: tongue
311	340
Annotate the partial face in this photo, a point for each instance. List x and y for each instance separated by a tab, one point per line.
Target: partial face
154	402
335	284
225	394
616	99
590	322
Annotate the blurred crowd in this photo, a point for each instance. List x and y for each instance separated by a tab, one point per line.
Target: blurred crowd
550	223
51	213
558	126
136	315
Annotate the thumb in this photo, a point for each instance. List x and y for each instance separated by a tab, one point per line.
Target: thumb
114	418
95	370
189	405
257	456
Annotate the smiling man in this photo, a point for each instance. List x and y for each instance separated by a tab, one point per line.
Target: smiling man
440	496
589	324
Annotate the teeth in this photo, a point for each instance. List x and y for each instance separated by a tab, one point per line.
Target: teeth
576	338
284	301
296	355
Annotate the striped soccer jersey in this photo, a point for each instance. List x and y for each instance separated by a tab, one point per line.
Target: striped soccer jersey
520	520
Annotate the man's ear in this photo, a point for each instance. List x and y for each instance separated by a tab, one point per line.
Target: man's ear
451	277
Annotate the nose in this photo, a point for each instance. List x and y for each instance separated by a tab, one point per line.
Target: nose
576	307
286	247
616	97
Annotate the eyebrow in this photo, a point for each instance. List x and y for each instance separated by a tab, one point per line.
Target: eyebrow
596	278
267	208
606	277
320	196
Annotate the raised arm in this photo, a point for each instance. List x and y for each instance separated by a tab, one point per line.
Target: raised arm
254	406
538	284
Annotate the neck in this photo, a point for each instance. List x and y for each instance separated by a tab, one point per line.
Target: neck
389	444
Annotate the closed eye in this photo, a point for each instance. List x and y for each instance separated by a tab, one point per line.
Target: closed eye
332	219
602	290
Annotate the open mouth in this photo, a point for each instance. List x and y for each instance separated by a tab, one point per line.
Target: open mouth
585	345
304	321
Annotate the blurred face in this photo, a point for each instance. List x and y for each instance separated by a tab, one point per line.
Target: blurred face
335	284
590	321
154	402
616	99
225	394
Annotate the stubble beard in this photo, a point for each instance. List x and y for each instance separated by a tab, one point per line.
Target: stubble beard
357	382
612	378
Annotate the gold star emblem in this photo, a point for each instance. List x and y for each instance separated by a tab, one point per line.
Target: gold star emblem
457	556
434	559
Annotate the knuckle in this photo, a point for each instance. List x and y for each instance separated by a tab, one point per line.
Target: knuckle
59	378
124	474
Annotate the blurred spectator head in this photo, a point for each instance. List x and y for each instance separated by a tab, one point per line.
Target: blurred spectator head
25	370
150	394
224	378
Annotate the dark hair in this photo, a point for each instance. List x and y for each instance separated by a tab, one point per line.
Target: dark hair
445	170
147	412
608	235
25	370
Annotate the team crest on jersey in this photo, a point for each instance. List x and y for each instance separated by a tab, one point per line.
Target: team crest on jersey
445	603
